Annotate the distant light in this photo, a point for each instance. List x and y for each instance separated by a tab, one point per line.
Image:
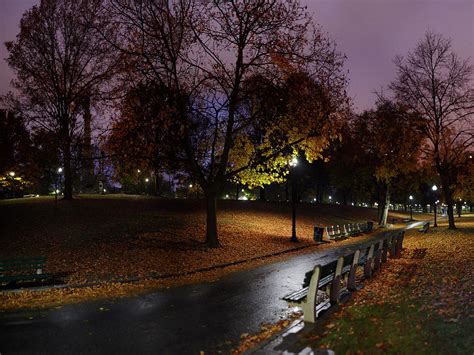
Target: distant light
411	197
437	201
190	186
314	199
60	170
330	197
57	191
37	195
146	180
139	171
244	198
105	190
352	203
434	188
11	173
226	196
243	190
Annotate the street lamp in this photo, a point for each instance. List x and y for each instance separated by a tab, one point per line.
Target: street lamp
58	183
435	188
12	176
293	163
411	207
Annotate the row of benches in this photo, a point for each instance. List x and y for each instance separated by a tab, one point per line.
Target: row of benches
325	284
340	231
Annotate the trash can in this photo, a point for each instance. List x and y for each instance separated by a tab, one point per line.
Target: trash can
370	226
318	234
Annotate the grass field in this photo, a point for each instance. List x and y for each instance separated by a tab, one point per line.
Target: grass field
107	238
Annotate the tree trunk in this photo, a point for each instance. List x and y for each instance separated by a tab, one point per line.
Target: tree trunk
384	214
212	239
262	194
67	172
448	196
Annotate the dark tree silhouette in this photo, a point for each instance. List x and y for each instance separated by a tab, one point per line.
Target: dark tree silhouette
59	61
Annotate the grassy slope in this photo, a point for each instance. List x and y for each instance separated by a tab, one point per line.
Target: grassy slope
92	236
102	238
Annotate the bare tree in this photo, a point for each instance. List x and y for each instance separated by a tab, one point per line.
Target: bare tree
59	61
435	83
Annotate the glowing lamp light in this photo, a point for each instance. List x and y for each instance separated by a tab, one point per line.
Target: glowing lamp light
139	171
57	191
60	170
11	173
294	161
105	190
434	188
146	180
190	186
243	190
411	197
226	196
330	197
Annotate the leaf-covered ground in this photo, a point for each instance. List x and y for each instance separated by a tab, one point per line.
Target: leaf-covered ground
422	303
107	239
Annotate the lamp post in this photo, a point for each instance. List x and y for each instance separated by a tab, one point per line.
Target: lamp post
411	207
12	177
58	182
293	163
435	188
138	181
147	180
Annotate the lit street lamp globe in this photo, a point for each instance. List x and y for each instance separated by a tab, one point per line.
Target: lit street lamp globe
434	188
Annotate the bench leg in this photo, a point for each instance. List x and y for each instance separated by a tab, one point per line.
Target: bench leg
368	269
384	254
309	312
400	245
393	250
335	290
377	260
351	280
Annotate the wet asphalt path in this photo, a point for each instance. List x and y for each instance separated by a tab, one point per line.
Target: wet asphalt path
181	320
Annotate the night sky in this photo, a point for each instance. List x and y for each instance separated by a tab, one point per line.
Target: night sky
369	32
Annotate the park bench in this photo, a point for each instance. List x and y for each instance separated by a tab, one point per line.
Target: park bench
342	231
22	270
315	295
335	232
353	229
322	285
425	227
